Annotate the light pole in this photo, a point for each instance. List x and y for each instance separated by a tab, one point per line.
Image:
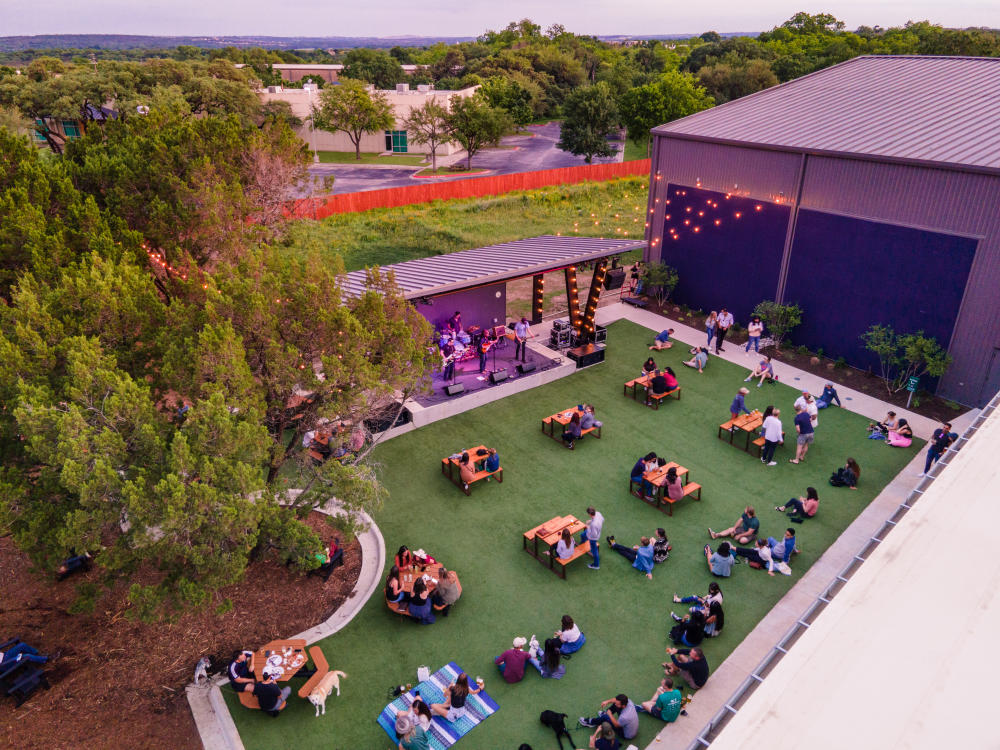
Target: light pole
312	131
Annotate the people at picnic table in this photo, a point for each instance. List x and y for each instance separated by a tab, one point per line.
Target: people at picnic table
739	404
550	665
394	593
455	696
662	340
570	638
573	431
447	591
589	418
640	555
620	713
270	697
744	530
827	397
466	469
647	463
699	358
764	370
511	662
239	671
720	562
666	703
404	559
902	436
649	366
672	484
847	475
492	462
421	607
773	437
689	663
565	545
801	507
661	545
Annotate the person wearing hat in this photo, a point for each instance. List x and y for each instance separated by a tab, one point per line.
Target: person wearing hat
239	671
511	662
270	697
522	332
411	735
604	738
739	404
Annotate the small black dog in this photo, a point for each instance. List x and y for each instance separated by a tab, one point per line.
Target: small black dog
557	723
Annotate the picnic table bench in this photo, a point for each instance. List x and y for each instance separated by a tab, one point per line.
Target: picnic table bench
563	418
406	579
746	424
293	661
652	399
548	534
450	468
658	478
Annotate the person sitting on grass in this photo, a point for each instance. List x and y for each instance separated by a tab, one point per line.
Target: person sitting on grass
715	620
420	605
421	714
641	555
270	697
640	468
666	703
764	370
411	735
847	475
511	662
902	436
827	397
648	367
783	549
689	663
702	603
573	431
881	429
549	666
620	714
661	545
759	556
662	340
455	696
604	738
722	561
801	507
689	630
699	358
744	530
570	638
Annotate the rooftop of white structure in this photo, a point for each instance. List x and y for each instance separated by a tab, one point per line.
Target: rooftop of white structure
465	269
939	111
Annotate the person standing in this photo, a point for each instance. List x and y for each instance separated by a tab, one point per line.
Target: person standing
725	320
448	356
592	535
942	438
754	330
522	332
711	323
773	436
804	428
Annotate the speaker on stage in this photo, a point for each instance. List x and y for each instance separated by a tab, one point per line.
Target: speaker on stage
499	376
525	367
455	389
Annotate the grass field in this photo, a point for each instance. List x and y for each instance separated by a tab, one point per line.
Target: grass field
393	235
508	593
634	152
347	157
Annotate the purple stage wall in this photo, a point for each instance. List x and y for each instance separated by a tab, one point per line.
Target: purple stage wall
734	257
481	306
848	274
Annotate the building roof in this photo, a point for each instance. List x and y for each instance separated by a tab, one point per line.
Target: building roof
934	110
900	657
451	272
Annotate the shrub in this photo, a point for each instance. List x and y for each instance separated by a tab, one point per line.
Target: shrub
660	279
902	356
779	319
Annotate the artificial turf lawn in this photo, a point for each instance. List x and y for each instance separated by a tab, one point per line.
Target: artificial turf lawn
507	593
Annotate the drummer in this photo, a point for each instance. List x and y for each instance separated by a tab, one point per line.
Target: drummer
455	322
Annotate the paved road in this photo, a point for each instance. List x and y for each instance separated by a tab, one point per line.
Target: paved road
532	153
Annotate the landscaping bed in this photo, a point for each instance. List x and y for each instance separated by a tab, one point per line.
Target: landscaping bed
119	683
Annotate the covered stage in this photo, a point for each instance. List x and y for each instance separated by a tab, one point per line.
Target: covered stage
464	296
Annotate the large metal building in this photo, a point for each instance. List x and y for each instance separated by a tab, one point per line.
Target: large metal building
868	192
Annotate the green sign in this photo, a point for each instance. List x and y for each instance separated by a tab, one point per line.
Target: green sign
911	383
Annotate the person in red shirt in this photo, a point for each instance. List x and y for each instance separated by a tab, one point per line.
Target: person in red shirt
511	662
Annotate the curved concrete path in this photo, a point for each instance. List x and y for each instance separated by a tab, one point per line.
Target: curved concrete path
211	715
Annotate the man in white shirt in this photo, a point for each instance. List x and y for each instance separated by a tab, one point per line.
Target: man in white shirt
773	436
522	331
592	534
724	321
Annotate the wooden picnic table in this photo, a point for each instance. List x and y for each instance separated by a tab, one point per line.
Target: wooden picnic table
658	478
292	653
644	381
563	418
549	534
745	423
452	463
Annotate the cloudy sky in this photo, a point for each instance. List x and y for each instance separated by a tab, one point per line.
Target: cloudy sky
468	18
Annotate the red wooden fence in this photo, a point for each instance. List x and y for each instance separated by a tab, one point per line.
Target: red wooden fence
470	187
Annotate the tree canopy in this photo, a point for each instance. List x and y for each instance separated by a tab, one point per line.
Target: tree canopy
590	115
352	109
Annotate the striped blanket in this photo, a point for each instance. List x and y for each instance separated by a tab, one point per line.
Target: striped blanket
442	733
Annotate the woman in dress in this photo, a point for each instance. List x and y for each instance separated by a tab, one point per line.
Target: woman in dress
902	436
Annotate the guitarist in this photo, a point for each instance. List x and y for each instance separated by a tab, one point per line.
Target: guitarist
486	343
522	332
448	358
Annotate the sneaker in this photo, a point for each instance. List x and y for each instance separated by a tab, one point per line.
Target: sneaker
711	534
465	486
772	463
758	385
674	617
921	474
585	722
594	567
677	599
611	541
746	380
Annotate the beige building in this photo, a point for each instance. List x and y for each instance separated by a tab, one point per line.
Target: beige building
403	100
329	73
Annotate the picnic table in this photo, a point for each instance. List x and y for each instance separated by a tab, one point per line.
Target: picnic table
289	656
744	424
658	478
450	468
652	399
563	418
547	535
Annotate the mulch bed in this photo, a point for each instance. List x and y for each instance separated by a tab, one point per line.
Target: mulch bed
120	683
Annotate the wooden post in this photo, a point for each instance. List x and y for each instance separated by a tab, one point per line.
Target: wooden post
537	298
600	272
573	299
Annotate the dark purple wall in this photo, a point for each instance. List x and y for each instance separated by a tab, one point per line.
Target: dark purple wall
478	306
848	274
733	263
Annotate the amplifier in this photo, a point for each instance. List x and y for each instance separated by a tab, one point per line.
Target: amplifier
526	367
560	324
499	376
454	390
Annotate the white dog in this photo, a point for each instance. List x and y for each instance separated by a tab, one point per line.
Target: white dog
319	694
201	670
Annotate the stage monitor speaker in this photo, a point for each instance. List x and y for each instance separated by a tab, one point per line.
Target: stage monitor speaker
525	367
615	279
499	376
455	389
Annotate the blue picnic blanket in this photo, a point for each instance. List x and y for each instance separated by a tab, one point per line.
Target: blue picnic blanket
442	733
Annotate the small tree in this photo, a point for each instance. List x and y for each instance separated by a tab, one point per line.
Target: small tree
660	279
591	115
779	319
475	124
904	356
427	125
351	109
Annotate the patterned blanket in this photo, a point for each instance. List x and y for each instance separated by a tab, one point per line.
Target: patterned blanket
443	733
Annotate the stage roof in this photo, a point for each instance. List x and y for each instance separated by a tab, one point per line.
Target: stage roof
451	272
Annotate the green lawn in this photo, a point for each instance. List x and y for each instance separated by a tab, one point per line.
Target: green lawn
347	157
393	235
634	152
508	593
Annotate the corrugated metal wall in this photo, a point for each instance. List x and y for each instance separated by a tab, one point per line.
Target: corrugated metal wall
938	199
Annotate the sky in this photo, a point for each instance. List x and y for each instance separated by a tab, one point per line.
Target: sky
467	18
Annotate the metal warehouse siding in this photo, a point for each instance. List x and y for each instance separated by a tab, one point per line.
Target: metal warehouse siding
936	199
